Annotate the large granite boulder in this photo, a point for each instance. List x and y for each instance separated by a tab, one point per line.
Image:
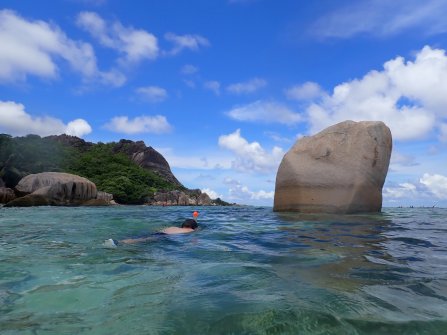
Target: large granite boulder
53	188
342	169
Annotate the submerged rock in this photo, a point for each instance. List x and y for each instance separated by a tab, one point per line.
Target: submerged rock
342	169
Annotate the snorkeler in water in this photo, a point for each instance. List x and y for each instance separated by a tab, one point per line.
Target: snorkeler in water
188	226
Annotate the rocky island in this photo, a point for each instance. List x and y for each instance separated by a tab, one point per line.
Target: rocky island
66	170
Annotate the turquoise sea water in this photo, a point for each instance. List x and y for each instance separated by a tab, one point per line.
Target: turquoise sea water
246	271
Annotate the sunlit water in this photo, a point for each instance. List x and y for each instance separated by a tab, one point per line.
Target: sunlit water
246	271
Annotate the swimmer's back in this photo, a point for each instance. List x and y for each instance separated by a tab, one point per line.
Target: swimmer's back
176	230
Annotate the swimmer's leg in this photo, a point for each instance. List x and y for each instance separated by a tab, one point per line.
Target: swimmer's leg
110	243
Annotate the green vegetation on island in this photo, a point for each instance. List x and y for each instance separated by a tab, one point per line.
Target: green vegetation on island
112	171
115	173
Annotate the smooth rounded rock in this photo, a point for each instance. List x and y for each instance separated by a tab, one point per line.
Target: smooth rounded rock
342	169
61	187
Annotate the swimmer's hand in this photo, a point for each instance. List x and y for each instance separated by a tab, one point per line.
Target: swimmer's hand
110	243
176	230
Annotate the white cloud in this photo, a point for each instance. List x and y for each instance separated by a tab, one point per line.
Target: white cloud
383	18
436	184
403	190
78	127
250	157
408	96
142	124
34	47
15	121
181	42
428	186
307	91
265	111
238	192
189	69
152	93
211	193
113	77
195	162
213	86
398	158
134	44
250	86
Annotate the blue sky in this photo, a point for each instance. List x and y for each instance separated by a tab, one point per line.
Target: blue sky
224	88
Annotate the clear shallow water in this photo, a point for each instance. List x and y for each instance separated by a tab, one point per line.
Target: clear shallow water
247	271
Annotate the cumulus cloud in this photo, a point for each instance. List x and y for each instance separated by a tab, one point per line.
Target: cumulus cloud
134	44
403	190
307	91
152	93
247	87
409	96
383	18
142	124
428	186
78	127
436	184
239	192
265	111
182	42
15	121
34	48
213	86
250	157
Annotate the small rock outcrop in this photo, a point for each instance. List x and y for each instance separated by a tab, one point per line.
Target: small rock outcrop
71	141
180	198
53	188
342	169
100	195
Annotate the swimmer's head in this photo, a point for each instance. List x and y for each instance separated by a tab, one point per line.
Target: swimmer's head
190	223
195	214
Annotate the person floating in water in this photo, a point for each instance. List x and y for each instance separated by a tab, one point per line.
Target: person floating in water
188	226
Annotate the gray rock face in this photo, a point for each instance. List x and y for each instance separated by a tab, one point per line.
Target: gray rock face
342	169
6	195
57	188
100	195
180	198
147	157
